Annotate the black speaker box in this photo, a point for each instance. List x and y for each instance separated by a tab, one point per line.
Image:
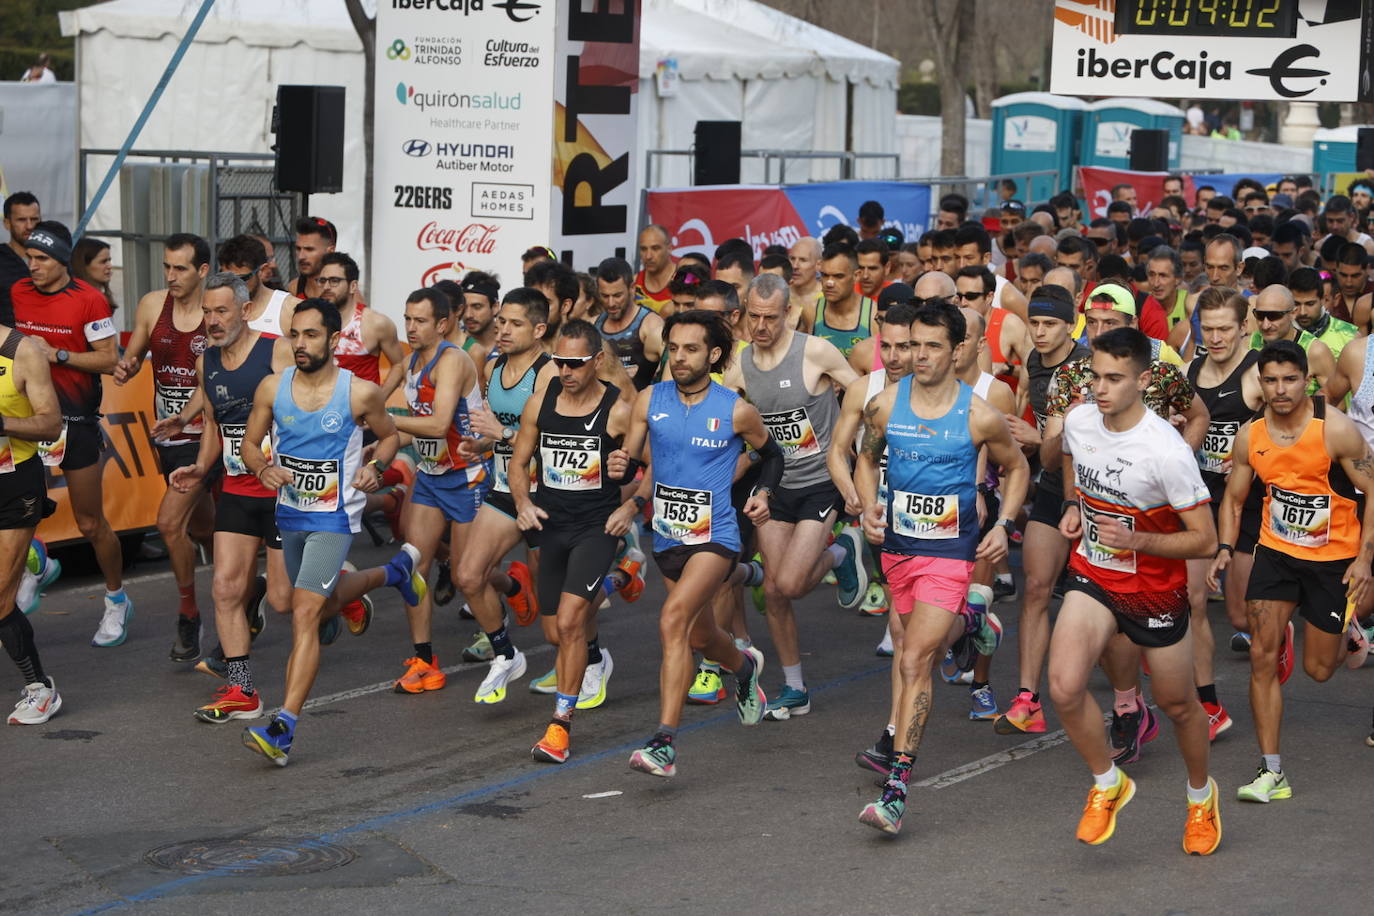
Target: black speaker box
1149	150
309	124
717	153
1364	149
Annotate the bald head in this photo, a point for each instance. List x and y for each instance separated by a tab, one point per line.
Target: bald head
807	247
805	255
1273	298
1066	277
1044	219
1043	244
935	283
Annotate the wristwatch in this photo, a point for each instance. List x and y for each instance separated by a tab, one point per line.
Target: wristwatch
1006	524
507	434
640	502
62	357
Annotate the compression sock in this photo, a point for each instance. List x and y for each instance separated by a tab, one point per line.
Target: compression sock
239	673
16	632
424	651
500	642
188	608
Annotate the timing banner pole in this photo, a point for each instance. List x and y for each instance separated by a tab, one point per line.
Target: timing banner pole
143	118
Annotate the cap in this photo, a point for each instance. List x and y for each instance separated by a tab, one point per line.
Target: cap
1281	201
1051	301
1121	299
1254	251
894	293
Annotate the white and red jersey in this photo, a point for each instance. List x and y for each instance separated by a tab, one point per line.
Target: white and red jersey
439	456
351	352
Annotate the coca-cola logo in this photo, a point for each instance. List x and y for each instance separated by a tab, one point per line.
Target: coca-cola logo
474	238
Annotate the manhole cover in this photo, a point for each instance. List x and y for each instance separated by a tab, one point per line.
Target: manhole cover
250	856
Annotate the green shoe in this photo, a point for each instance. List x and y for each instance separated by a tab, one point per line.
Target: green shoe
756	591
546	684
480	650
1266	787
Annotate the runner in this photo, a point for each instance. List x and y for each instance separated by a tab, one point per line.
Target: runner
931	426
71	324
245	257
228	373
870	273
844	317
1311	460
696	542
1009	344
315	411
1311	315
1139	511
1274	310
367	334
29	414
170	326
806	292
791	378
482	294
22	214
634	331
315	238
651	283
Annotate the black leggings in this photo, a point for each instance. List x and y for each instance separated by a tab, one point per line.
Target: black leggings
573	560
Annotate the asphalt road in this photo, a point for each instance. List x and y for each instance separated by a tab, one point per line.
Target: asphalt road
431	803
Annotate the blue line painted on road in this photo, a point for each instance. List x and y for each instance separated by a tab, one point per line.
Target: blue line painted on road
374	823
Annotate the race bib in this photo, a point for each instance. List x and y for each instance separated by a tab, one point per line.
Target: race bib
1217	445
682	515
793	432
1301	519
231	451
168	402
314	484
6	456
570	462
1118	559
434	456
916	515
53	451
501	469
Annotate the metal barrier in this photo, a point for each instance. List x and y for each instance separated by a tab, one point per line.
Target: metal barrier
846	161
981	190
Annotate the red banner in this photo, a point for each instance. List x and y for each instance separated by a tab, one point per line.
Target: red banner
1149	188
699	220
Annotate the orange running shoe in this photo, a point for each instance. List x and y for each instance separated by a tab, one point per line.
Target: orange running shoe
230	703
1202	834
1024	716
421	676
554	746
358	615
1099	815
525	603
630	564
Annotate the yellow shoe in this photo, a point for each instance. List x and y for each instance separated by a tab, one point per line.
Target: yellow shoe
1202	833
1098	822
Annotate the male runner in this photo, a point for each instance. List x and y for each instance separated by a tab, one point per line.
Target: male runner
482	294
1274	310
367	334
270	311
1008	340
694	428
931	426
315	411
651	283
29	413
170	327
870	273
791	378
1310	313
315	238
1139	510
22	214
71	324
844	317
1311	460
634	331
806	292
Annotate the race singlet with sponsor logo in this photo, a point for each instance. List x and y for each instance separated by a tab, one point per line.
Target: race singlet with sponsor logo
314	484
793	432
231	438
169	401
929	517
1301	519
434	455
682	514
570	462
1091	547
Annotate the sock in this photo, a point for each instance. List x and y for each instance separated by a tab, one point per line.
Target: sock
500	642
1207	693
891	730
746	667
284	723
1125	702
1198	796
563	706
514	588
753	573
424	651
1108	779
16	632
708	665
665	734
902	762
981	593
239	673
593	652
1273	764
1004	579
117	596
977	686
188	607
792	675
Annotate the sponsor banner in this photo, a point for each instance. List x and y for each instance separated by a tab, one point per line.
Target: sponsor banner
594	201
1097	184
699	219
1314	50
462	134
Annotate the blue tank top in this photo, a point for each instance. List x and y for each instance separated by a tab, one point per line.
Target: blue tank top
932	468
694	451
630	349
230	392
322	449
507	404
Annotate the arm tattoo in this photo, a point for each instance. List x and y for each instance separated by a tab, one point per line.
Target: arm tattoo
875	434
1365	464
920	711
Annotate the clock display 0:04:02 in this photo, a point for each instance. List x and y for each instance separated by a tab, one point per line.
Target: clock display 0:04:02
1221	18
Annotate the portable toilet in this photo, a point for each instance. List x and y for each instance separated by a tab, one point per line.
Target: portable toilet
1035	132
1333	153
1107	127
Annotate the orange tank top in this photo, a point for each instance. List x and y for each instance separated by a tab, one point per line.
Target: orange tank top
993	335
1309	504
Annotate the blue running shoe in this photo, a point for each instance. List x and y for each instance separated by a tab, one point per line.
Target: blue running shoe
984	704
330	630
952	673
791	702
657	758
271	741
750	701
886	813
402	575
851	575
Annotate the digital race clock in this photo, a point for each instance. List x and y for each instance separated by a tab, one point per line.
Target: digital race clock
1222	18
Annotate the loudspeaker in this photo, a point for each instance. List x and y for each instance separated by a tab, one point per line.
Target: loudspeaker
1149	150
309	124
1364	149
717	153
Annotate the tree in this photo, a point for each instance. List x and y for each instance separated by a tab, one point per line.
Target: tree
366	27
951	25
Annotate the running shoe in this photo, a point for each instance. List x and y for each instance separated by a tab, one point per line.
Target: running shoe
1202	834
1286	657
756	593
114	624
420	676
885	649
877	758
465	612
632	564
707	689
358	615
988	636
554	746
38	702
254	609
657	758
402	575
875	601
1023	717
214	664
1003	589
480	650
40	571
548	684
952	673
525	603
1357	644
1240	642
1218	719
503	671
1266	787
187	645
272	741
330	630
750	701
886	813
851	576
1098	822
443	591
790	702
983	705
230	703
594	681
1130	731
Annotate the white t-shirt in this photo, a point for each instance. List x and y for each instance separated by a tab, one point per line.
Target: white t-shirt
47	76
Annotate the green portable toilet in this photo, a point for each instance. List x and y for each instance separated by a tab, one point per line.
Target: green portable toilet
1107	127
1333	150
1035	131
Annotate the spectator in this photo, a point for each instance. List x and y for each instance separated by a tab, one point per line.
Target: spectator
40	72
91	262
21	215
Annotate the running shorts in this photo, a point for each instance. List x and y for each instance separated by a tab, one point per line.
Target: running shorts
1151	620
573	561
1315	585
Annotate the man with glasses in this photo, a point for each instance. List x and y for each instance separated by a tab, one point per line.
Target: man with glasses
1255	203
1102	233
1009	343
367	333
269	312
1274	311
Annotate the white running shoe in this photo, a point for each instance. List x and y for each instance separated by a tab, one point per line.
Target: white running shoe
503	671
884	649
594	681
38	702
114	626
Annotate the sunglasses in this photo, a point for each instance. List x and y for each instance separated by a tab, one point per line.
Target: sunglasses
1267	315
969	297
1259	209
919	301
1099	241
572	362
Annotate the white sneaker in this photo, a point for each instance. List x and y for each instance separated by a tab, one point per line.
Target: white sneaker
503	671
594	681
885	647
114	626
27	598
37	704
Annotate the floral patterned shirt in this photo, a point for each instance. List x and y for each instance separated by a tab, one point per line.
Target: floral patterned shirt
1169	392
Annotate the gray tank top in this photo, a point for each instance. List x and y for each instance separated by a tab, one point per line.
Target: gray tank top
800	422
